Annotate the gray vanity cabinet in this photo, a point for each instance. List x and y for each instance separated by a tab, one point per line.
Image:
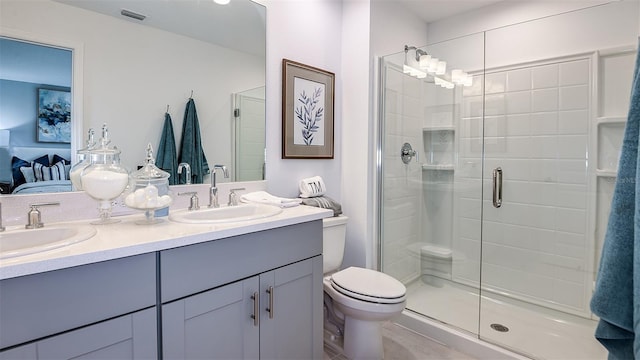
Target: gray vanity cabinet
276	274
131	336
74	311
293	328
212	325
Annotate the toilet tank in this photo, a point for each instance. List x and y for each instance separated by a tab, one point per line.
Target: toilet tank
334	236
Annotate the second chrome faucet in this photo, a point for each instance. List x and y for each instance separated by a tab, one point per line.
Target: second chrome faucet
213	190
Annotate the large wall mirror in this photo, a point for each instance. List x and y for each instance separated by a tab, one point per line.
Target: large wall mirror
86	58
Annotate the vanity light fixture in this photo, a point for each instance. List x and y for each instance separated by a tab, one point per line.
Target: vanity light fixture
221	2
133	15
430	65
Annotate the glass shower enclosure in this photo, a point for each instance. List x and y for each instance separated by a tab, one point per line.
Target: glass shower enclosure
496	179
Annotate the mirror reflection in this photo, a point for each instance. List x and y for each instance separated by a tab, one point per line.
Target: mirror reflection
131	71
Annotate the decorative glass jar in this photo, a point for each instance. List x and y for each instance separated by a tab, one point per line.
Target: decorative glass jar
83	161
104	179
149	189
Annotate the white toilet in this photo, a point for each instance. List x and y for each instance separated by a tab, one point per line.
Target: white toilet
356	300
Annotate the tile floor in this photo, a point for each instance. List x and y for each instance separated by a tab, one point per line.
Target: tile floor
403	344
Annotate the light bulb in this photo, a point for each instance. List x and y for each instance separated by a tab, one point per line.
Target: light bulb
424	61
456	76
441	67
433	65
221	2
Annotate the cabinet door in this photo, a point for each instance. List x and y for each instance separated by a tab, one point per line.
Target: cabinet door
293	327
131	336
215	324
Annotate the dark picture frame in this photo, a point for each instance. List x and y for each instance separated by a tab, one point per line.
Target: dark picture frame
308	95
53	119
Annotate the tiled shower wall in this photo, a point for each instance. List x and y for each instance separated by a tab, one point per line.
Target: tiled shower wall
401	206
536	129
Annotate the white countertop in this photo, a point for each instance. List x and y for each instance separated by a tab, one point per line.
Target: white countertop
126	238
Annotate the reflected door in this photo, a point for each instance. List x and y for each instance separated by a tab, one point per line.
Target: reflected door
249	146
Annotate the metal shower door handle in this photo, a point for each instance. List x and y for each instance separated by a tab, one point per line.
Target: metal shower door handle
497	187
407	153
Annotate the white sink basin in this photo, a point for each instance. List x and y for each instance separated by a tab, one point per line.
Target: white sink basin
29	241
226	214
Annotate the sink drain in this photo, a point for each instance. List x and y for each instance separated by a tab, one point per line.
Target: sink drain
499	327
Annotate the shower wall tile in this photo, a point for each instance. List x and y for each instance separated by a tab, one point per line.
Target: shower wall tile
574	72
572	172
518	102
543	147
391	101
472	106
574	97
543	170
572	147
544	100
573	220
494	105
518	124
544	123
545	76
518	80
471	127
573	122
571	196
495	83
494	126
412	107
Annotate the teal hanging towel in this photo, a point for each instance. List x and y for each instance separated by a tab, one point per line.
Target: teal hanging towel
191	146
167	158
616	299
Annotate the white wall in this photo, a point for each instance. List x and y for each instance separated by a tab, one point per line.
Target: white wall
128	76
502	14
308	32
357	180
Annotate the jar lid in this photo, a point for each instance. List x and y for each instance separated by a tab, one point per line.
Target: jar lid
150	171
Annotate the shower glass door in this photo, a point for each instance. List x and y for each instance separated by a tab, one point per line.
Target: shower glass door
496	222
553	124
432	204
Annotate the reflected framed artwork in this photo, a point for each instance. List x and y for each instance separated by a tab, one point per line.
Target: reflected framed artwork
307	111
54	116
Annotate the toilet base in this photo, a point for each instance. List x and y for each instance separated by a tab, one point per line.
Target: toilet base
362	339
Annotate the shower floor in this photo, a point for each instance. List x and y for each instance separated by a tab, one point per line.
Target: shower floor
537	334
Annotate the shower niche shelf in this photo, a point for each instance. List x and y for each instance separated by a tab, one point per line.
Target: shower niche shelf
438	167
439	148
610	131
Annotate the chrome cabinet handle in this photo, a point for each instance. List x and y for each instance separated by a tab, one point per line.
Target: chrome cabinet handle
256	309
270	308
497	187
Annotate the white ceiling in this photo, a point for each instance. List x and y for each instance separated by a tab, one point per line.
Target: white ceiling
239	25
432	10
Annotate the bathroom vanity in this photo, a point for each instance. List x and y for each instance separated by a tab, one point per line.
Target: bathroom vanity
173	291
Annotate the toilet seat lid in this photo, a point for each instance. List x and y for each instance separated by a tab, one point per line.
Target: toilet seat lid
368	285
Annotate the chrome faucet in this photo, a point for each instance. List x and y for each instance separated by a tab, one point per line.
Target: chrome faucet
186	167
213	190
1	227
33	217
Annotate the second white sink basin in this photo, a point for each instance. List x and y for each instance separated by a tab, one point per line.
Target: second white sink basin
29	241
225	214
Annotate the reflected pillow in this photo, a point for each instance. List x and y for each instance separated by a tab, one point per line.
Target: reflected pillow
57	158
17	163
39	172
